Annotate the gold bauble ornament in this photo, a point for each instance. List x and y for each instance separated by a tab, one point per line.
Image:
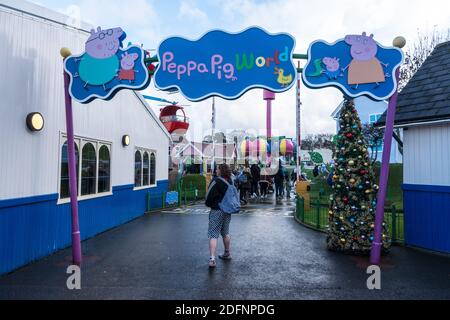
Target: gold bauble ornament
399	42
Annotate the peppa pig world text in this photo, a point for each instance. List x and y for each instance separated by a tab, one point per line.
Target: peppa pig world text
221	69
226	65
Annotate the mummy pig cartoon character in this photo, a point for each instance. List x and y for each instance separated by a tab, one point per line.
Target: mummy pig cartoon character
365	67
99	65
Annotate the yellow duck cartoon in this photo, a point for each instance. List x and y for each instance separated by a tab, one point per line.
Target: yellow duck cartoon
282	79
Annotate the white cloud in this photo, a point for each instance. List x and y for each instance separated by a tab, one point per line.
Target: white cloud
139	19
190	13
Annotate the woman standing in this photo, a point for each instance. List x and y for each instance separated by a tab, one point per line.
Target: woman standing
219	221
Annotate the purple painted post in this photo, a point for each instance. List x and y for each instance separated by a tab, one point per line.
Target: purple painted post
375	254
269	96
298	125
76	239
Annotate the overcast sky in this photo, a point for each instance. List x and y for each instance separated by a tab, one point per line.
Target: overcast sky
151	21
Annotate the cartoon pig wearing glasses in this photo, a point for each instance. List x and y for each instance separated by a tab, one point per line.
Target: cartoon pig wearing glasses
100	63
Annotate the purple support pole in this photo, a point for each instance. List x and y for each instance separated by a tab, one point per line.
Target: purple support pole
298	126
76	239
269	119
269	96
375	254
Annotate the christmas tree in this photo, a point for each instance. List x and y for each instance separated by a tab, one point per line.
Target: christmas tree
353	202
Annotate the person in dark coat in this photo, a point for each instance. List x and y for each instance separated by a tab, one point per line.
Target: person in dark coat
245	187
219	221
279	181
256	176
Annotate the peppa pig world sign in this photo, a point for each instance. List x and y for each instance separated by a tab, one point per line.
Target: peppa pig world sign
106	67
357	65
226	65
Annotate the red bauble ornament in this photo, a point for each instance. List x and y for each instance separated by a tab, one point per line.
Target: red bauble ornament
345	199
349	135
151	68
363	172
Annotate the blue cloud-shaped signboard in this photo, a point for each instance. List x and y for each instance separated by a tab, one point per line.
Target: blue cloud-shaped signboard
357	65
226	65
105	68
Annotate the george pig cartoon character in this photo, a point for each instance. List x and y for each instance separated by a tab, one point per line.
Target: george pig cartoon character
332	67
127	71
365	67
99	64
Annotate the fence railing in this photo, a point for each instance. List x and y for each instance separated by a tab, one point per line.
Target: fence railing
316	217
157	201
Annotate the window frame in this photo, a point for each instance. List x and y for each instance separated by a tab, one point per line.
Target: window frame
108	146
81	142
149	152
134	168
378	149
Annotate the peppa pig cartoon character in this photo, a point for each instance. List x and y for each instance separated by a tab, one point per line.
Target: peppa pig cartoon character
127	71
99	64
365	67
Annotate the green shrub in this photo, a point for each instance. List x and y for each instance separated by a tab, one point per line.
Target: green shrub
194	181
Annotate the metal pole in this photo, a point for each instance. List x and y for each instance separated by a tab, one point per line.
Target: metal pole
213	133
76	239
298	126
269	120
375	253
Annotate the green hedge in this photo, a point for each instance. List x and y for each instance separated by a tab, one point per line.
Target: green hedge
194	181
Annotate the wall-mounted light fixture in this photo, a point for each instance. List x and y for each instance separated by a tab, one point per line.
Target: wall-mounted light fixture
126	140
35	121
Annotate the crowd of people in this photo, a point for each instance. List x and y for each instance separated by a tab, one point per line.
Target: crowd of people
253	183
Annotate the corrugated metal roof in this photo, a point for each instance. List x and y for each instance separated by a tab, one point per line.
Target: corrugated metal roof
426	97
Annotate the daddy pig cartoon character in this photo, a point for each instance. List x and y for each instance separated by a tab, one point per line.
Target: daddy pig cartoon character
365	67
127	71
99	65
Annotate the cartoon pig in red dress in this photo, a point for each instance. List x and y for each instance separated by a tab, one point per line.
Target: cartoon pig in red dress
127	71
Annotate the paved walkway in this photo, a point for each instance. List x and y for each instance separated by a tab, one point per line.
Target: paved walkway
165	255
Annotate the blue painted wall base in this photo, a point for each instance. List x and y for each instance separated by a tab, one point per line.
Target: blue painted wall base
32	228
427	216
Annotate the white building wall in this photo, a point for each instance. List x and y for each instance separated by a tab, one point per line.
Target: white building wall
426	155
31	80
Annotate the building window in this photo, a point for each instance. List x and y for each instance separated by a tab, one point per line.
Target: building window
137	169
374	118
64	184
104	170
88	169
146	170
93	162
152	169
